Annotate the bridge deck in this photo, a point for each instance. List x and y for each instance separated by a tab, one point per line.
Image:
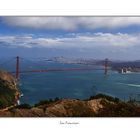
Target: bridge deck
61	69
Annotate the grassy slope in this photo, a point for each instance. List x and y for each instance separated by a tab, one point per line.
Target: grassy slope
7	89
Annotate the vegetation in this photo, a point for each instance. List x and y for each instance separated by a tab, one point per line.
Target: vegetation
46	102
107	97
24	106
6	95
120	109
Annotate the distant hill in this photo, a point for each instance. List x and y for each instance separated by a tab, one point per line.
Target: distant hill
132	66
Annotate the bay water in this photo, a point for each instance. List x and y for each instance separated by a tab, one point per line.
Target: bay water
77	84
73	84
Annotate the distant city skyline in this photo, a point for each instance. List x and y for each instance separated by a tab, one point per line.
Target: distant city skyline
115	38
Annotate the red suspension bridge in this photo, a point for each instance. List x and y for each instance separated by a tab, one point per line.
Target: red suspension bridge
18	70
21	70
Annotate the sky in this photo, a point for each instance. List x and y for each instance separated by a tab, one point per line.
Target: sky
116	38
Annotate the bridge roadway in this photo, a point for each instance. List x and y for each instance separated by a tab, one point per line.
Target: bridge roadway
61	69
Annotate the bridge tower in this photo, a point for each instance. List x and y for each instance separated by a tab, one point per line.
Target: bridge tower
17	68
106	66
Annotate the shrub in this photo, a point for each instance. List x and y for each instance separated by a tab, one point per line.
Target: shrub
45	102
109	98
23	106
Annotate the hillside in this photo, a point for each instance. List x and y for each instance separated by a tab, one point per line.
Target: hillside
97	106
8	89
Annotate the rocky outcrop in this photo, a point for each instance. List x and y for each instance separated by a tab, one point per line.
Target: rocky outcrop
8	89
34	112
69	108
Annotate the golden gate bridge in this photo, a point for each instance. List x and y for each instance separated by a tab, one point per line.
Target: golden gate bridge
19	71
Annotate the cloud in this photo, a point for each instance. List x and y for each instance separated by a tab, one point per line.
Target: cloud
99	40
52	23
100	45
71	23
26	42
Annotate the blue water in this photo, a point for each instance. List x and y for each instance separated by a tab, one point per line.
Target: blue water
75	84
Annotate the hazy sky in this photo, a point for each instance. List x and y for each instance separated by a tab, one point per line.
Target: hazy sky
85	37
